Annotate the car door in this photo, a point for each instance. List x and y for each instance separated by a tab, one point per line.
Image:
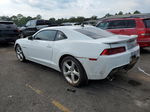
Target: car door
41	47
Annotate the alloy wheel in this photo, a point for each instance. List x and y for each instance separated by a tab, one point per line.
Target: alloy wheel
71	72
19	53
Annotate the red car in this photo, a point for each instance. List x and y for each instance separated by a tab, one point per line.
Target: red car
139	26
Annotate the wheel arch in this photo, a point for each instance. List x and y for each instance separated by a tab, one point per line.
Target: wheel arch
62	57
65	55
81	65
16	45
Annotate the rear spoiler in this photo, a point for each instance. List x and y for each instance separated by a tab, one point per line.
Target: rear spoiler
131	38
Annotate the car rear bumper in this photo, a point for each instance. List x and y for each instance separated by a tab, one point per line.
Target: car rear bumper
105	65
144	42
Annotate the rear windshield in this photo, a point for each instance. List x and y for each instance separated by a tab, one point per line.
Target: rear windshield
94	33
147	23
7	25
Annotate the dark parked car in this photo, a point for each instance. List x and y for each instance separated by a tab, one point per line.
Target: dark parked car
8	32
33	26
130	25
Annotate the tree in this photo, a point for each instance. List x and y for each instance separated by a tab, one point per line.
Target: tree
72	19
120	13
59	21
108	15
19	16
52	20
38	17
5	18
137	12
80	19
94	17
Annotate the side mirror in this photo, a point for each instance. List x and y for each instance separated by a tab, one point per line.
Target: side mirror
30	38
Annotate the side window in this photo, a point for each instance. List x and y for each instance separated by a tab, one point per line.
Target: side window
130	24
60	36
40	22
48	35
103	25
116	24
32	23
28	23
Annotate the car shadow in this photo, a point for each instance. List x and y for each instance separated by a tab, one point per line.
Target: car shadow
120	83
145	51
119	79
6	45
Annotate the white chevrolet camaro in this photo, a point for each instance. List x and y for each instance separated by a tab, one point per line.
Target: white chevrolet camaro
79	52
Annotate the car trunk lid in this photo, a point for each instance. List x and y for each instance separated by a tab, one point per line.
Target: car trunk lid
120	41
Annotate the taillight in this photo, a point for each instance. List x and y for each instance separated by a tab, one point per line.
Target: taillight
112	51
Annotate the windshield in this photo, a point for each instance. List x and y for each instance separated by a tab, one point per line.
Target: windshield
94	33
147	23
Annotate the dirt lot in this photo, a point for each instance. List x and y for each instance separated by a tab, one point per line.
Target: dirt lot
29	87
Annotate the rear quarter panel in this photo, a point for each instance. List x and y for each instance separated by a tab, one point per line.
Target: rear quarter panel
77	49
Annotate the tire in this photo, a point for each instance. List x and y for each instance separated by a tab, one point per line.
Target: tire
19	53
73	72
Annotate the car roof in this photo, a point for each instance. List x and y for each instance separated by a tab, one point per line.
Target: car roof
70	32
119	19
127	17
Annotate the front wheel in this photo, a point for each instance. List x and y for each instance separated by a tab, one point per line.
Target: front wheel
19	53
73	72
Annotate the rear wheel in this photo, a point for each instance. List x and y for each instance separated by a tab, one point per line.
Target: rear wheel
73	71
19	53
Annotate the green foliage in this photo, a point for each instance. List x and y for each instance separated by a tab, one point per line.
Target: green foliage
94	17
120	13
52	20
38	17
137	12
108	15
21	20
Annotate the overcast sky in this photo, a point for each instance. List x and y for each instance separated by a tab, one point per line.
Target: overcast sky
69	8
